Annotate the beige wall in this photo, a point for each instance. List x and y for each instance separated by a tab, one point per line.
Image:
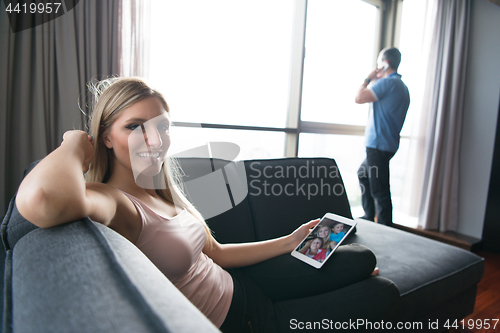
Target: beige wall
480	116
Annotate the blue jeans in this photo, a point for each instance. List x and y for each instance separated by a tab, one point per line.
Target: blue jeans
373	176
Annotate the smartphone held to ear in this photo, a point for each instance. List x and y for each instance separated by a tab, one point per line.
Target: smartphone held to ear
383	66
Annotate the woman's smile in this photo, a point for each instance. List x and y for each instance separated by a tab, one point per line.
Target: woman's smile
149	155
140	137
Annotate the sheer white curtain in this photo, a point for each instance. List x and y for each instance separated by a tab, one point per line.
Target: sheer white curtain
443	114
134	42
418	23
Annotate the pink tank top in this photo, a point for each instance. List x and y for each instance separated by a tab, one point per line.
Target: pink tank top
175	246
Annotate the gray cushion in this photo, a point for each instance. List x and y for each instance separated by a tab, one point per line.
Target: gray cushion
64	281
15	226
426	272
284	193
167	302
223	224
84	277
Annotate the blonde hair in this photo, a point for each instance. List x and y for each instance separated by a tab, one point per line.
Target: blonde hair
110	97
327	242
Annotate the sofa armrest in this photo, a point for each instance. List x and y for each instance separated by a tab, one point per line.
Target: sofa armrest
85	277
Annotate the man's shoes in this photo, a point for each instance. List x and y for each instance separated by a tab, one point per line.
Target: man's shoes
364	217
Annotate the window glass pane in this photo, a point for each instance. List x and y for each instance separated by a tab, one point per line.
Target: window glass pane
349	152
223	61
252	144
416	30
402	170
340	52
413	57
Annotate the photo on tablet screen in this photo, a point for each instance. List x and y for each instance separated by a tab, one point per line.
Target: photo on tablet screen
324	239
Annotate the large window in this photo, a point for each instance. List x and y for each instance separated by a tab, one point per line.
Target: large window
223	61
347	150
278	77
252	144
416	23
341	43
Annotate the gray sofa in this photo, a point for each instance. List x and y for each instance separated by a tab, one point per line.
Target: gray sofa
84	277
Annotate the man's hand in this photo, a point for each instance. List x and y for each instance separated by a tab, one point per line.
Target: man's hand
374	75
364	95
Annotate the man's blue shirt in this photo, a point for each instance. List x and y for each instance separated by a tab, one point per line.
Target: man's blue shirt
388	113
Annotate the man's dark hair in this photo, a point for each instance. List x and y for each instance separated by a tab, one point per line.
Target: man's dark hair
393	56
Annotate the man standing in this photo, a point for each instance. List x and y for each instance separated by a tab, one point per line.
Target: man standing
391	99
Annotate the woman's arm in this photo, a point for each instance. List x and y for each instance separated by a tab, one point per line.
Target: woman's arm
239	255
54	192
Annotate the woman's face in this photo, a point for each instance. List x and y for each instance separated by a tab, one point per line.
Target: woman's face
316	244
338	228
324	232
140	137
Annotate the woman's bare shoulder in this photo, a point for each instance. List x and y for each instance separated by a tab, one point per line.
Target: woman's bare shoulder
111	207
106	194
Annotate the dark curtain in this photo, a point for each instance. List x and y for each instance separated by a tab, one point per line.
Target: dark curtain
43	75
445	104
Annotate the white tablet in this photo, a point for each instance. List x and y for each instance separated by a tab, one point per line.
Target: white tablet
324	239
